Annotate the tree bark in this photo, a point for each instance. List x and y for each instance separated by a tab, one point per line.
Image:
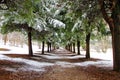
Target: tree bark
88	46
30	42
73	47
116	47
116	36
48	47
78	47
69	47
43	45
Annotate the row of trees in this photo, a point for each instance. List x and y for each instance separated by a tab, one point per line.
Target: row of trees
110	10
32	18
82	19
82	23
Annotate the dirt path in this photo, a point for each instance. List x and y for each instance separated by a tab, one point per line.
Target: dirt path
78	73
57	71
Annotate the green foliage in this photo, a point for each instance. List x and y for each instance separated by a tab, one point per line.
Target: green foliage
80	17
8	27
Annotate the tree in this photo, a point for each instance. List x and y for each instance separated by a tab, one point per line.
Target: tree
111	10
30	41
10	27
25	14
43	46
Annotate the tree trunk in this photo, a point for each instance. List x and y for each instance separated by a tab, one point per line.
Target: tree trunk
116	36
114	25
48	47
43	45
69	47
30	42
66	47
73	47
5	39
88	46
78	47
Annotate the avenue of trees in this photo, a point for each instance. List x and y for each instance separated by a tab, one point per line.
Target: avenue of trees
68	23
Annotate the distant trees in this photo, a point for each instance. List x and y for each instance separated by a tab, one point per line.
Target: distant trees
13	38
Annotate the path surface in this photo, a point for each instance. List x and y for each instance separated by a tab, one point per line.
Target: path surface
65	71
58	65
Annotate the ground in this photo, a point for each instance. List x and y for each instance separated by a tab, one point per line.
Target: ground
57	65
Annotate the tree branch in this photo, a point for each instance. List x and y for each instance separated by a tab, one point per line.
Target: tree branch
107	18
